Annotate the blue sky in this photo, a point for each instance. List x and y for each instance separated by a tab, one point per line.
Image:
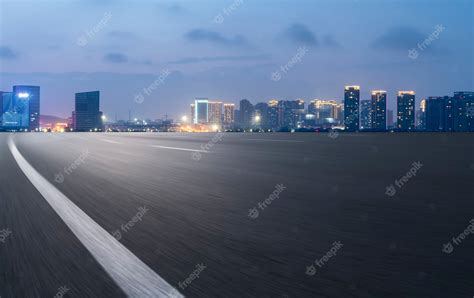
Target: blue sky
228	50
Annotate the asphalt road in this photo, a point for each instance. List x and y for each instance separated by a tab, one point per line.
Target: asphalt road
327	189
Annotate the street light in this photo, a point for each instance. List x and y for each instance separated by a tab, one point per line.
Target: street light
184	119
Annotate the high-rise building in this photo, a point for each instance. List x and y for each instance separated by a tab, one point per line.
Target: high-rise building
28	97
229	116
1	108
261	115
406	111
421	116
390	124
436	113
273	113
366	114
201	111
246	113
325	111
193	113
215	112
463	115
379	110
87	115
15	111
351	108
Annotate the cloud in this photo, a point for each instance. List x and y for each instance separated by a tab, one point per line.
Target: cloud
202	35
190	60
398	39
7	53
300	34
115	58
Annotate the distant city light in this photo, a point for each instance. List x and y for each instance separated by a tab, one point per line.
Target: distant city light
215	127
184	119
23	95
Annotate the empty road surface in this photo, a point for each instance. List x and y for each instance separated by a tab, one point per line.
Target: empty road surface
236	215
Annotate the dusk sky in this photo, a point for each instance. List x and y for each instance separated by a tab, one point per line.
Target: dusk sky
120	47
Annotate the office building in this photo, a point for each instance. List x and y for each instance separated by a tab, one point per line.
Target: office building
406	111
351	108
379	110
366	114
28	97
201	111
87	115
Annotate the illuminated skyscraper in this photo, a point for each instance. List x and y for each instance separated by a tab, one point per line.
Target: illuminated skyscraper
464	111
215	112
325	111
27	102
201	111
406	111
421	116
366	114
379	110
351	108
229	113
273	113
87	115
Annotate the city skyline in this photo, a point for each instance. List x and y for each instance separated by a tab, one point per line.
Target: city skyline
325	47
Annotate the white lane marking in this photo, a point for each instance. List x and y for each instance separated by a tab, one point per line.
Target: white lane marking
133	276
110	141
180	149
270	140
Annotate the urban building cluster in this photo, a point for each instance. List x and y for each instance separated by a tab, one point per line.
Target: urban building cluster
20	111
445	113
